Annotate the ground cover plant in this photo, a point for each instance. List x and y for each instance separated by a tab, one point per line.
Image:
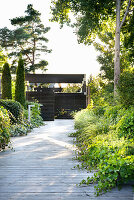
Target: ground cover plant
106	143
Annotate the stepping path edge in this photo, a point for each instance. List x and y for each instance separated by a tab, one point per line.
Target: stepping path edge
41	167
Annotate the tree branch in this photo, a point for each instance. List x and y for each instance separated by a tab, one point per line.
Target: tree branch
125	15
123	3
26	54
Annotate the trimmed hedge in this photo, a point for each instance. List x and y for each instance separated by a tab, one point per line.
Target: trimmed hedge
20	83
6	82
14	108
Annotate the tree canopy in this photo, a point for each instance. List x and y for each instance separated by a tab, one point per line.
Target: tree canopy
92	16
26	39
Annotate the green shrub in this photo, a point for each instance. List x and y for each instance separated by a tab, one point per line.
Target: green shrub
19	129
84	117
6	82
20	83
14	108
4	127
113	160
125	126
36	119
126	87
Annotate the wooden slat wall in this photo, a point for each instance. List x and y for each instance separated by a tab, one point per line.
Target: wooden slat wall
55	102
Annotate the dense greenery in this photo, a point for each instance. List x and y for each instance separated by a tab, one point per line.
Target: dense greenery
105	134
4	127
94	18
2	59
14	108
106	143
126	88
6	82
20	83
72	88
14	120
27	38
36	119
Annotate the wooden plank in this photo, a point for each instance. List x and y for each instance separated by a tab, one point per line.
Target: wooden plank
41	168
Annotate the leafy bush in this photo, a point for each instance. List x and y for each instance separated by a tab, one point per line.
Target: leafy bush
14	108
126	87
36	119
20	129
4	127
106	144
125	126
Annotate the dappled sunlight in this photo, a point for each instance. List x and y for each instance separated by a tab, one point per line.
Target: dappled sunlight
41	163
58	142
25	143
58	155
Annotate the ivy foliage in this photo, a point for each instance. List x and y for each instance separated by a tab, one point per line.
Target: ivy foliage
105	134
6	82
106	144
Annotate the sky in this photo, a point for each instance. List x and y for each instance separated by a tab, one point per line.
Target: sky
67	55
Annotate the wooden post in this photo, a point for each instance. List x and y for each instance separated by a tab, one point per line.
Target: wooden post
84	85
29	112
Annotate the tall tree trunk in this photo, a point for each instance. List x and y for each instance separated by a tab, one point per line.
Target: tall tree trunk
117	47
33	62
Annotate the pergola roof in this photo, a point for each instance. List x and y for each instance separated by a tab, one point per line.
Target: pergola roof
55	78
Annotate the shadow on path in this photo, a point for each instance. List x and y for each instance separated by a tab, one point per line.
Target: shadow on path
41	168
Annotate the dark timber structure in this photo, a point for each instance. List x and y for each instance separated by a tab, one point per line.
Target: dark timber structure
56	103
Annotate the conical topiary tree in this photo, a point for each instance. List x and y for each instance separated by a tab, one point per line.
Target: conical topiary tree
6	82
20	83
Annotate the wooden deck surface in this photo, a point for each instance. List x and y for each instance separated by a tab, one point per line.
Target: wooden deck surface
41	168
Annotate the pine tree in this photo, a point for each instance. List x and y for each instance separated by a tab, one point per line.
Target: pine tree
28	39
6	82
20	83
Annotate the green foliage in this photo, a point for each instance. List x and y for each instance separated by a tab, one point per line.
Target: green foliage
27	38
101	92
2	60
20	129
97	18
72	88
125	126
14	108
126	87
91	16
4	127
6	82
14	120
20	83
36	119
106	144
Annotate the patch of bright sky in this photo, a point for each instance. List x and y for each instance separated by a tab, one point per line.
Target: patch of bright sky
67	55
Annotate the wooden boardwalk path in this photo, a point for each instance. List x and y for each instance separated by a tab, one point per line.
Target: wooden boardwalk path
40	168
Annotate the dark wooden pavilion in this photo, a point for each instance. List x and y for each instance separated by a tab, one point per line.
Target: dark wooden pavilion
54	102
